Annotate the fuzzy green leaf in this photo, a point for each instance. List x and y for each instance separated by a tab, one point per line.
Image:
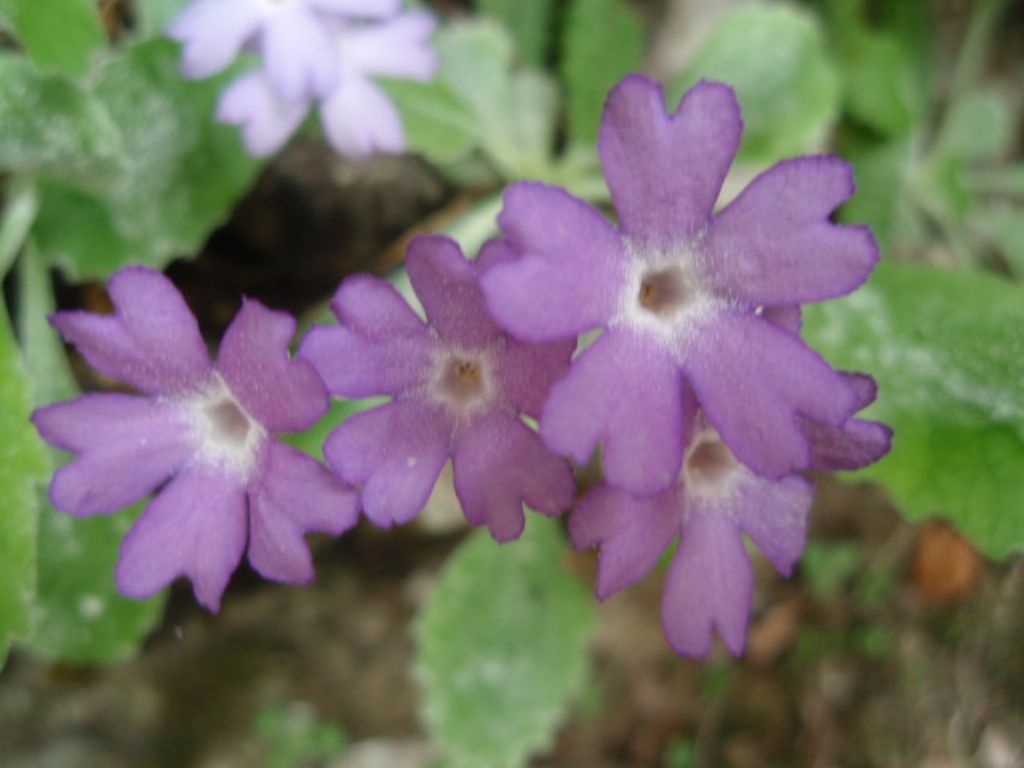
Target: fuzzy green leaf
528	21
503	647
57	34
947	349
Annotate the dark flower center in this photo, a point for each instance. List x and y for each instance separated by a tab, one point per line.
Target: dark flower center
710	462
463	379
228	420
664	292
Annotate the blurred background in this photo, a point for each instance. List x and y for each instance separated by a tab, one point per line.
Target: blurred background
900	639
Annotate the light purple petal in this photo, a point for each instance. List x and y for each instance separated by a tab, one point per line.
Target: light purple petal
395	454
864	387
213	33
397	48
300	54
629	397
570	271
448	286
774	244
664	172
267	120
363	8
110	432
194	528
790	317
381	348
855	445
499	464
151	343
633	533
774	514
528	371
359	118
292	495
709	587
755	382
284	394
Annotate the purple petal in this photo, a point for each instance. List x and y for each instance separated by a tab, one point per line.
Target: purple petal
359	118
864	388
633	533
364	8
448	286
291	496
300	54
775	245
855	445
110	432
528	371
774	514
398	48
213	33
665	172
267	120
628	396
709	586
284	394
755	382
570	271
395	453
381	348
194	528
499	464
789	317
151	343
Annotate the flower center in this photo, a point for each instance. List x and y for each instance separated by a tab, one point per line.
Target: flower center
462	381
665	292
710	467
226	433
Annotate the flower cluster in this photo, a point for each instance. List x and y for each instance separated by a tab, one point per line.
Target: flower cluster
697	388
312	52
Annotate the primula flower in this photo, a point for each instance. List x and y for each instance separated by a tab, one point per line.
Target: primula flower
358	117
205	430
294	36
460	387
714	501
682	295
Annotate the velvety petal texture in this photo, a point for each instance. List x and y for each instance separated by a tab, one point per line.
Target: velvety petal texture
213	33
359	118
266	119
299	53
397	48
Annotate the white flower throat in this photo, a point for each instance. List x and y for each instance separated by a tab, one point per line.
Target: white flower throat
463	381
226	434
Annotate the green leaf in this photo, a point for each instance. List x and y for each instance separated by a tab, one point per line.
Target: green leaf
437	124
981	126
603	41
503	647
947	349
529	22
50	127
1003	227
878	84
20	208
155	16
184	175
775	58
22	468
57	34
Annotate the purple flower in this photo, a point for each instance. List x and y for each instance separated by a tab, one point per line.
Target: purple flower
714	501
460	388
205	430
359	118
294	36
682	295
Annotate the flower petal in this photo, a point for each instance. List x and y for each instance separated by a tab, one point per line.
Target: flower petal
284	394
570	268
774	514
633	533
397	48
110	432
448	286
755	381
499	465
528	371
359	118
267	120
395	453
789	316
151	343
855	445
774	244
709	586
665	172
194	528
299	53
213	33
381	348
628	396
292	495
365	8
